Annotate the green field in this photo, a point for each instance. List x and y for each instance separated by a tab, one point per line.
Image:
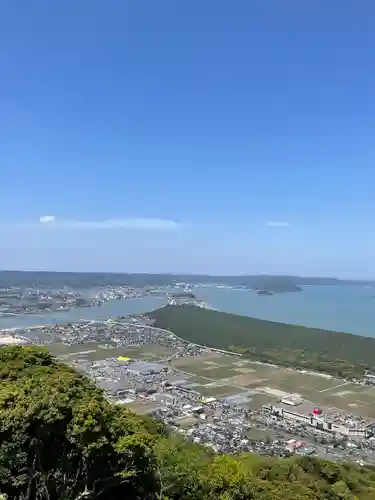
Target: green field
93	351
64	349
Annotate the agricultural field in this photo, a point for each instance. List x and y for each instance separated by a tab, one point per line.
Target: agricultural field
61	350
195	379
258	400
209	359
217	366
93	351
358	399
141	407
219	375
306	385
216	390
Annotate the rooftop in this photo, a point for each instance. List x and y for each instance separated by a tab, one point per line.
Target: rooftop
328	414
237	399
145	368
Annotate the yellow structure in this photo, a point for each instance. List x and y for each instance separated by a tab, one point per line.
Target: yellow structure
122	358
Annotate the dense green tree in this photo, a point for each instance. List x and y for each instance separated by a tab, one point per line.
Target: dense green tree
339	354
60	439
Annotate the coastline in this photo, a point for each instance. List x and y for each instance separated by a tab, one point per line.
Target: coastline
329	308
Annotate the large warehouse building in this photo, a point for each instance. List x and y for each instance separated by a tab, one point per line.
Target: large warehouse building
141	368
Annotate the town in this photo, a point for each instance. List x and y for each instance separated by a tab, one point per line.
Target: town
214	397
35	300
19	300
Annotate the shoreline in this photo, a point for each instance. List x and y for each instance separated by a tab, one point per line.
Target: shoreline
229	302
149	313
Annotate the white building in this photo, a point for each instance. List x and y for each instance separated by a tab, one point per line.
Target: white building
329	420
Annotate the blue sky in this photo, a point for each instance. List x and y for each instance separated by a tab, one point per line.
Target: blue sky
214	136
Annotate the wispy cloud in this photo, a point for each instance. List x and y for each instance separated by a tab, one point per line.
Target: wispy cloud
45	219
52	222
277	223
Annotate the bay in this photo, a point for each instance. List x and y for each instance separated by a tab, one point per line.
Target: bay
348	309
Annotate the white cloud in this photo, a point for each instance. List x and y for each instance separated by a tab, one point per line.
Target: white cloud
45	219
51	222
127	223
277	223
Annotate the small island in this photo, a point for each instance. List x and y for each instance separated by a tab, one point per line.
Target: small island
263	292
271	288
270	285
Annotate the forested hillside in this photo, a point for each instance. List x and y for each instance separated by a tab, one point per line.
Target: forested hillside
339	354
61	440
83	280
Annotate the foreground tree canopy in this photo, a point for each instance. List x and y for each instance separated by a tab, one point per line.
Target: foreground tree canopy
61	439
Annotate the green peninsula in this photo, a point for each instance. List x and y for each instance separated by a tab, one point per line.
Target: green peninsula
339	354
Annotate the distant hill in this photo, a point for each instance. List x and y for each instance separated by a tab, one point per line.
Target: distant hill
86	280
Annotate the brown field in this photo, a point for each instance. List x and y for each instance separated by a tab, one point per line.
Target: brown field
141	406
218	373
258	400
196	379
157	350
231	374
244	370
193	360
217	390
93	351
288	380
357	399
234	373
246	380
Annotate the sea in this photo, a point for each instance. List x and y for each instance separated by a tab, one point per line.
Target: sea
348	309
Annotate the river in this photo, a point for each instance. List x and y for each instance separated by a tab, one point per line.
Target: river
109	309
342	308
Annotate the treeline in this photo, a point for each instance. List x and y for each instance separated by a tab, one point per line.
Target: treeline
339	354
84	280
60	439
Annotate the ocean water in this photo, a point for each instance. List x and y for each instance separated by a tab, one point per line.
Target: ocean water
348	309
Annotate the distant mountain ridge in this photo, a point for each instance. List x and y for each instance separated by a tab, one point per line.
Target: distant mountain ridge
85	279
